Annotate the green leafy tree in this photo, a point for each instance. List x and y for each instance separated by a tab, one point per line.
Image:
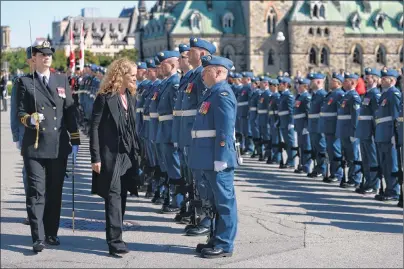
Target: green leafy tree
16	60
59	60
131	54
105	60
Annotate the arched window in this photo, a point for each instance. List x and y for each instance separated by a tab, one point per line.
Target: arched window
311	31
271	21
322	11
379	20
271	57
324	58
315	11
195	21
357	55
228	21
313	56
229	52
269	25
318	31
356	21
326	32
401	21
401	55
381	55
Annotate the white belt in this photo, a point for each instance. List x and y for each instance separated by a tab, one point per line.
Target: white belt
187	113
262	111
400	119
146	117
139	110
344	117
365	118
166	117
314	116
253	109
273	112
154	115
389	118
299	116
283	113
177	113
203	133
243	103
328	114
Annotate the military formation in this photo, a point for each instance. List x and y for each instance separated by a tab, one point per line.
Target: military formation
197	119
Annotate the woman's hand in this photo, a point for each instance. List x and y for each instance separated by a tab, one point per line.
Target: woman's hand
96	167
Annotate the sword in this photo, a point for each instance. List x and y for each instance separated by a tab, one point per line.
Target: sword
73	164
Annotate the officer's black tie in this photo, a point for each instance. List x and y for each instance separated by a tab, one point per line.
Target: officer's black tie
45	81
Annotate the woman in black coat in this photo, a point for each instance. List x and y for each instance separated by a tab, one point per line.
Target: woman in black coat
114	147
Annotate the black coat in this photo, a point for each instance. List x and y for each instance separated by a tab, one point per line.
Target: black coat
58	131
104	142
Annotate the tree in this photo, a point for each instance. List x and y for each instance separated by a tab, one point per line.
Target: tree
105	60
132	54
59	60
16	60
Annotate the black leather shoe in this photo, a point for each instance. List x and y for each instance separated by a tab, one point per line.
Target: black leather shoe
149	195
199	247
400	203
52	240
261	159
253	156
330	179
212	253
348	184
158	201
38	246
313	174
170	210
25	221
299	170
383	198
197	231
366	191
114	251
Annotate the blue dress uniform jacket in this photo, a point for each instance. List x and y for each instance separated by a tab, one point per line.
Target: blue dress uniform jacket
386	114
216	113
400	129
147	95
301	111
58	131
177	112
253	104
366	123
263	117
242	107
139	104
190	100
315	108
348	113
329	112
285	106
273	119
165	107
154	116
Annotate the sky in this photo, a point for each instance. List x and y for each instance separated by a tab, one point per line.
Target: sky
41	14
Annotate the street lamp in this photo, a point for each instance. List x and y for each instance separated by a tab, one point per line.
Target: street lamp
280	38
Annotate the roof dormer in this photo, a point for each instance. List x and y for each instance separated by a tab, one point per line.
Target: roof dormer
356	21
317	10
379	20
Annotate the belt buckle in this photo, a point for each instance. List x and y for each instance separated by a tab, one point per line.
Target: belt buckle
196	136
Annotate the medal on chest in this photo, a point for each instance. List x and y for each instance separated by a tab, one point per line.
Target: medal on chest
330	101
270	103
189	87
61	92
204	108
262	100
155	96
343	104
297	103
366	101
243	93
384	102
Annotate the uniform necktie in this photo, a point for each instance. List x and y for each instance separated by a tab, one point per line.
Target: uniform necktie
45	81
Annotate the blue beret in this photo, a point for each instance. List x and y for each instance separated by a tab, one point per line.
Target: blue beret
390	73
183	47
284	80
101	70
167	54
151	63
216	60
231	74
28	51
94	68
266	79
255	79
156	60
203	44
372	71
274	82
338	76
237	75
247	75
141	65
316	76
304	81
350	75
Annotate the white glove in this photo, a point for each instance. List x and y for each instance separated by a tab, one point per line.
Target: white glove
75	150
18	145
353	139
220	166
175	145
290	126
41	118
393	140
304	131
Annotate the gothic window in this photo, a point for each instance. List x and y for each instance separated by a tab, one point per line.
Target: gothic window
318	31
271	21
401	55
322	11
271	57
381	55
326	32
102	27
357	55
228	21
356	21
311	31
94	27
401	21
379	20
313	56
195	21
229	52
324	57
315	11
269	24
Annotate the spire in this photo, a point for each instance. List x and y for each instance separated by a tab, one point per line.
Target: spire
141	6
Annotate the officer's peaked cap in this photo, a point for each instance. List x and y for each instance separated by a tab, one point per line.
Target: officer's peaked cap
43	47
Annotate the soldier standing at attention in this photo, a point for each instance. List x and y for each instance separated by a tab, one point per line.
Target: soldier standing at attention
213	154
46	108
253	118
244	95
273	120
264	129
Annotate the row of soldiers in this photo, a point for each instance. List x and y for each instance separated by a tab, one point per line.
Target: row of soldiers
326	130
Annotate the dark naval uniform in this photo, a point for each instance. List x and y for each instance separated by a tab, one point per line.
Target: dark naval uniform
46	164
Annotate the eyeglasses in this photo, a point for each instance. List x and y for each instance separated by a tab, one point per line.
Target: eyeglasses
184	57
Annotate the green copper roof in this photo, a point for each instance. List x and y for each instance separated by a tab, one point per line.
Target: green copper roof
302	12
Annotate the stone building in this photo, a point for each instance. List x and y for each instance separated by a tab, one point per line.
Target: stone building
319	35
5	37
102	36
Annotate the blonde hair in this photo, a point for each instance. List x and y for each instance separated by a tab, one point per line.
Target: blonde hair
113	79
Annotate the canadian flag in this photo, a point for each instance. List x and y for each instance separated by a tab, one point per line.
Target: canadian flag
81	62
72	56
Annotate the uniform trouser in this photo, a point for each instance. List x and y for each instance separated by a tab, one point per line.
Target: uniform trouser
45	179
289	139
264	131
151	156
318	145
202	194
245	131
160	157
275	140
388	163
352	155
221	195
370	164
115	205
187	171
304	144
334	155
172	160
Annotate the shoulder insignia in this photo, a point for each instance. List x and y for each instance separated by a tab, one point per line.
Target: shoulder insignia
397	93
224	93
